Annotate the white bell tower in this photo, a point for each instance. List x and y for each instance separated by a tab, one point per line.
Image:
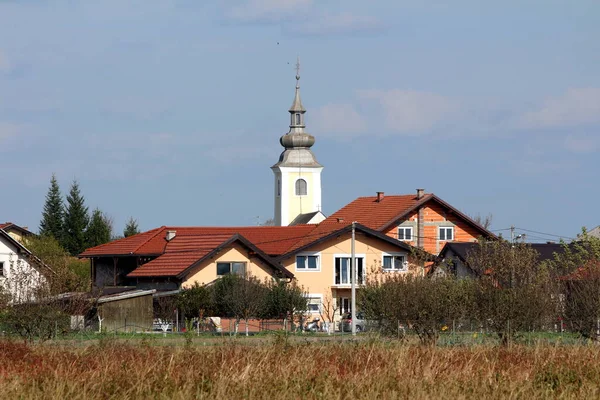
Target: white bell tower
297	173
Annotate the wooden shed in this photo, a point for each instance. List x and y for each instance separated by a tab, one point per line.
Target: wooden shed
129	311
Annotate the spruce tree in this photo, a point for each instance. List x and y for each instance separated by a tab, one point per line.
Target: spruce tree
99	230
52	216
131	228
75	222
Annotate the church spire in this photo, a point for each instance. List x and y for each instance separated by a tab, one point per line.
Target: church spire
297	106
297	110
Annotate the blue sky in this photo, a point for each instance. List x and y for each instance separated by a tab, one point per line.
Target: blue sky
171	111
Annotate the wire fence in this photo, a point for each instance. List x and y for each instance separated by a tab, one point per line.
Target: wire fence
454	333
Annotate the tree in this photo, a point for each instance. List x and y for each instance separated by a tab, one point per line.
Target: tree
196	302
99	230
424	304
577	269
131	228
485	221
284	300
75	222
53	214
240	297
513	291
37	311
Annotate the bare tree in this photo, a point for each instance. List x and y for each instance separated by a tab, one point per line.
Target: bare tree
329	307
485	221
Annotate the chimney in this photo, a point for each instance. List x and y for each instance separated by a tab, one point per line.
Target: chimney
170	235
420	193
340	220
380	196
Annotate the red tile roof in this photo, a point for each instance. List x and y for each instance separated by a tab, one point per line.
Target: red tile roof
376	214
5	225
272	240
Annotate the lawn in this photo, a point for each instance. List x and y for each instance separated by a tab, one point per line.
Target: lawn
273	368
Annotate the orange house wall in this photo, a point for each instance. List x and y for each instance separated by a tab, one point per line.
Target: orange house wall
435	216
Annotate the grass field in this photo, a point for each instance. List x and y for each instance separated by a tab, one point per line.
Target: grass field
277	369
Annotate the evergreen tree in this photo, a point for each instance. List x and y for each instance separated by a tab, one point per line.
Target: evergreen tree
99	231
75	222
52	216
131	228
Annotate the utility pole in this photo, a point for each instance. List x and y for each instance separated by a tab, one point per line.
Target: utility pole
353	278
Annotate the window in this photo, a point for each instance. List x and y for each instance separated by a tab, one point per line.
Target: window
345	305
395	263
300	187
446	233
405	233
224	268
307	263
298	119
314	304
343	275
2	268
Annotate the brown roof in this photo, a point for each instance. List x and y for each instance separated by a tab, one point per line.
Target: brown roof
9	225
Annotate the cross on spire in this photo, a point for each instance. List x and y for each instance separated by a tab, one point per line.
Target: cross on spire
298	71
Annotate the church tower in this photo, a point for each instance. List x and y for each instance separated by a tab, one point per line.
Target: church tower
297	173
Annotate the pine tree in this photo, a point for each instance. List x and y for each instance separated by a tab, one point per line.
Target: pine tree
99	231
75	222
53	214
131	228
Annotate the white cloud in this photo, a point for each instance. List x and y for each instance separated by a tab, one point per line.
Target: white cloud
578	106
268	10
326	24
412	112
338	120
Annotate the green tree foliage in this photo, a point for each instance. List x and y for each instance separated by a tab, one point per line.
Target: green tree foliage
66	273
99	230
53	214
131	228
283	300
75	222
196	302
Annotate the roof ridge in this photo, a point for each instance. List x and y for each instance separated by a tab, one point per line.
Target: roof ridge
158	230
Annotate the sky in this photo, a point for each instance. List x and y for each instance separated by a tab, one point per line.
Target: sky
170	111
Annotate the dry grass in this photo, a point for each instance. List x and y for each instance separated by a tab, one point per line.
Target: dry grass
311	370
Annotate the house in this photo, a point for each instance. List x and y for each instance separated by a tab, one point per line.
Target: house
15	231
595	232
422	220
453	257
19	270
170	258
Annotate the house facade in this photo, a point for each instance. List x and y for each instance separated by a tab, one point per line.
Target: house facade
19	233
19	276
422	219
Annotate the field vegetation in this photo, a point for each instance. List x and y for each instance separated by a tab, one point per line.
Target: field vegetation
291	370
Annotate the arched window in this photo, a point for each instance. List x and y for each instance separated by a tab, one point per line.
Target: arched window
298	119
300	187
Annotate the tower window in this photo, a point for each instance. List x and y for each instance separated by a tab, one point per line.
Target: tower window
300	187
298	119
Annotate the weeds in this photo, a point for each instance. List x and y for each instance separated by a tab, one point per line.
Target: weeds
372	369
